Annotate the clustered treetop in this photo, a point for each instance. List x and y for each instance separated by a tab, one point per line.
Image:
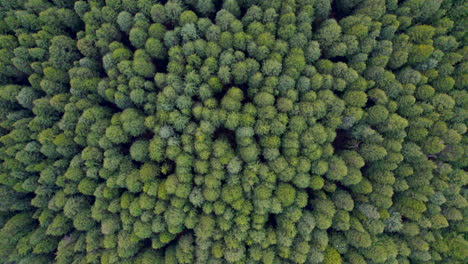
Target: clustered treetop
233	131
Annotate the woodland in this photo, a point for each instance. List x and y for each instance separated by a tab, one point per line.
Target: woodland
233	131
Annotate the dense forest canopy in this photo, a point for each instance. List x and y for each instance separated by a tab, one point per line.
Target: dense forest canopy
233	131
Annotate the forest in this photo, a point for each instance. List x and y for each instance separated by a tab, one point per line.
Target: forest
233	131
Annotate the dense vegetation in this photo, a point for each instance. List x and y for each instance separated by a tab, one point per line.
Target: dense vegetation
233	131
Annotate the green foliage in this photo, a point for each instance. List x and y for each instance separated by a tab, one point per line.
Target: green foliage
202	131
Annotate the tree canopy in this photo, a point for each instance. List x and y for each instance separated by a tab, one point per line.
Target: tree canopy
233	131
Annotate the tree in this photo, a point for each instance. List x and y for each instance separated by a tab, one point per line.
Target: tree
328	32
59	226
13	230
155	48
139	150
286	194
143	67
132	122
205	227
331	256
372	152
272	67
63	52
337	169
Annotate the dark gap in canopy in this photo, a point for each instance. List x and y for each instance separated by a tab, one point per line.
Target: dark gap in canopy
243	10
337	12
171	243
343	140
108	104
148	135
229	135
339	59
218	5
21	80
169	166
261	158
170	26
271	221
126	41
125	149
161	64
369	103
244	87
219	95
